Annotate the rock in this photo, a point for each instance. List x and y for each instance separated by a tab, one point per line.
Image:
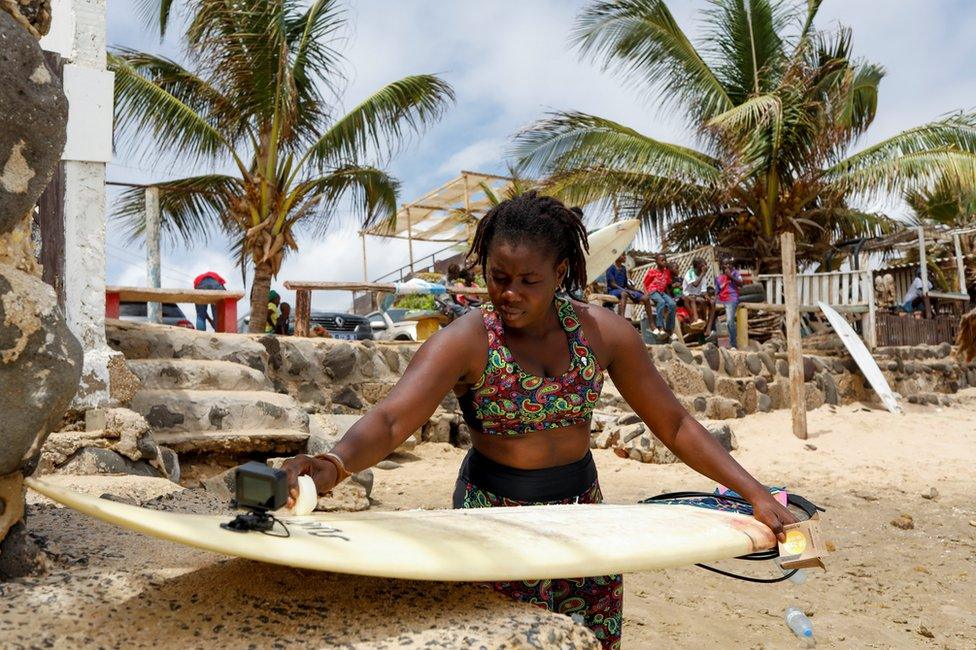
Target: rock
813	396
662	353
168	463
723	434
700	404
682	352
767	360
135	441
628	418
33	117
761	384
711	355
809	369
783	368
40	364
323	433
439	427
11	501
606	438
708	376
924	631
728	363
365	479
123	383
348	397
904	522
829	388
685	379
630	431
764	404
463	437
96	460
754	363
388	464
339	361
810	447
931	494
722	408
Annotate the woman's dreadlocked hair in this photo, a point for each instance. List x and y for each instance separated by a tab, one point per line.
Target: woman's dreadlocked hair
540	221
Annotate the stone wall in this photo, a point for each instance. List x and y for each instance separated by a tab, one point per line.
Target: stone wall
330	376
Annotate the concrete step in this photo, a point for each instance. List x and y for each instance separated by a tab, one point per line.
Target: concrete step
238	441
172	411
195	374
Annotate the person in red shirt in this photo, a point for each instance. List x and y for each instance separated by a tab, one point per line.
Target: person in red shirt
208	280
656	285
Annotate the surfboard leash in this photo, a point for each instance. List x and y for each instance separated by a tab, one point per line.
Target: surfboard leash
713	501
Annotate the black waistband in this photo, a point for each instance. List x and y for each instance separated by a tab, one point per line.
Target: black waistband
539	485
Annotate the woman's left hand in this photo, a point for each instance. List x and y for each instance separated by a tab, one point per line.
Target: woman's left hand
771	512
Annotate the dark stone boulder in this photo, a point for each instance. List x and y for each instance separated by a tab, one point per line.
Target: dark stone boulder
33	117
710	352
40	365
339	361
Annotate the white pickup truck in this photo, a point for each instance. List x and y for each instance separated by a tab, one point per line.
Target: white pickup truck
389	325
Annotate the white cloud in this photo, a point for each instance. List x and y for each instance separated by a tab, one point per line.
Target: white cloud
510	61
481	154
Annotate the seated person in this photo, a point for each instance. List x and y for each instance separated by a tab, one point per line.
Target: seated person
914	301
618	286
693	287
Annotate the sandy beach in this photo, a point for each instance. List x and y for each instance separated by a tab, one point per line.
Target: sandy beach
884	587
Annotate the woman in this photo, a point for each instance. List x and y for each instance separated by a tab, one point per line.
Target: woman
528	369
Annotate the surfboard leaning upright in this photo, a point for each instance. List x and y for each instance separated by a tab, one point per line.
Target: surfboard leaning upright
862	357
525	543
606	245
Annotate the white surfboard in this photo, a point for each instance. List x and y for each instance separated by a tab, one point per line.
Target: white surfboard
606	245
524	543
862	357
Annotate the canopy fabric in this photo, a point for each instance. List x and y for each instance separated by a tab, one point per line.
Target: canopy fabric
446	214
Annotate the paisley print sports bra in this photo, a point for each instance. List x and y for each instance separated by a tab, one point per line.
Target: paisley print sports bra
509	402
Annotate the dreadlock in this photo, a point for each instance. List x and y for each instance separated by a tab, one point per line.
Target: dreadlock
541	220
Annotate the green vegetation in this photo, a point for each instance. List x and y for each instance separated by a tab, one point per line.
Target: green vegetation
259	97
775	107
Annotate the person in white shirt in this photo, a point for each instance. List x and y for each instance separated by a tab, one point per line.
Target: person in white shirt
693	290
913	300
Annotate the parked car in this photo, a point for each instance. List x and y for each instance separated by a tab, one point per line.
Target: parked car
389	325
172	314
340	325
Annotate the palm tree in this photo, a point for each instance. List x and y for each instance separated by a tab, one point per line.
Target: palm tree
253	100
775	107
946	204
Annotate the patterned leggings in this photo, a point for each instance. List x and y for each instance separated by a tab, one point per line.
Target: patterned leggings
598	600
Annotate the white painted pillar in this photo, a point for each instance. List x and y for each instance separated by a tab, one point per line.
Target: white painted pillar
960	266
78	34
153	309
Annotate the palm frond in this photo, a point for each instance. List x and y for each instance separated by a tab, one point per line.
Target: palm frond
191	209
745	36
642	39
371	191
567	141
142	104
378	124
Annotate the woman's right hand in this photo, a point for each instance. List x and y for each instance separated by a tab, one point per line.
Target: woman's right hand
323	473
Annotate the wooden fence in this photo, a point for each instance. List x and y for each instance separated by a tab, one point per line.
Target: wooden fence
905	330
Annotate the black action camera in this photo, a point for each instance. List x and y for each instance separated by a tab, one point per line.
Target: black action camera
257	488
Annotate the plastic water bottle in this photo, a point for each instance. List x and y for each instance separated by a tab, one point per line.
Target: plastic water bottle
797	577
801	625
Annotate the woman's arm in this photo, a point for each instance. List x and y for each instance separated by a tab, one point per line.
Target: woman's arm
439	364
646	392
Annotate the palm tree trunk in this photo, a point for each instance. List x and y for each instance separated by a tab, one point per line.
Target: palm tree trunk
259	298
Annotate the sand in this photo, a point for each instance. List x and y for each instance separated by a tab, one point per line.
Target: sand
884	587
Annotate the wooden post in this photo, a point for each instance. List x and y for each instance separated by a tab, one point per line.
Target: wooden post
742	328
794	348
960	267
410	238
924	268
362	238
153	309
869	325
303	311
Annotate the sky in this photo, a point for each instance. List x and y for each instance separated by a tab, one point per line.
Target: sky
509	63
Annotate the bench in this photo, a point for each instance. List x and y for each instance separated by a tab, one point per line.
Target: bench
226	301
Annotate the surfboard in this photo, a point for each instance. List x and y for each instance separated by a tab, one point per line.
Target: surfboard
524	543
862	357
606	245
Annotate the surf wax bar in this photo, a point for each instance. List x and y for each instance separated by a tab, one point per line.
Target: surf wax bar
804	546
